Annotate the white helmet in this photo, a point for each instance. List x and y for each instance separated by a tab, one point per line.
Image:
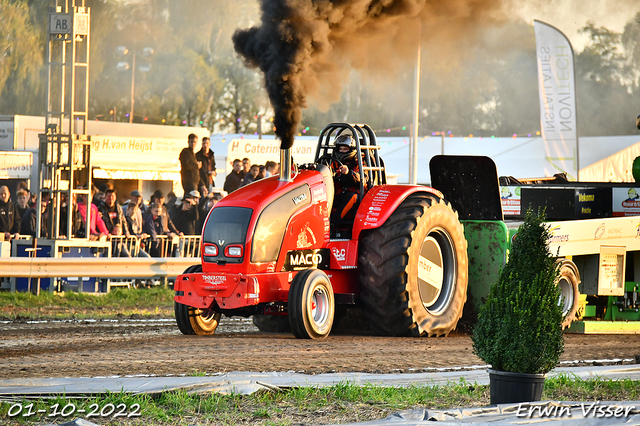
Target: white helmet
349	142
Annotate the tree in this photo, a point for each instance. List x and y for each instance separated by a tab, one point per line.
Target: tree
242	98
21	60
602	78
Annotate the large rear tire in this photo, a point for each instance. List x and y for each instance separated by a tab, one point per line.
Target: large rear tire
311	305
569	294
413	270
190	320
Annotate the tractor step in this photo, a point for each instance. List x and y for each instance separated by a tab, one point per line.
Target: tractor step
604	327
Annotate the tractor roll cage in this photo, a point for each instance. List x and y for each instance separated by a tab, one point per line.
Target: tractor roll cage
365	143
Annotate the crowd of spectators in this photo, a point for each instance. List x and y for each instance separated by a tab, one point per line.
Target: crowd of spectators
152	223
243	173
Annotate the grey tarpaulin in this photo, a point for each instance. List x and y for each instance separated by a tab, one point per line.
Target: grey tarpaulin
248	382
560	413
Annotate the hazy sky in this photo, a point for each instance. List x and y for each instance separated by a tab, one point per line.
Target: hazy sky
571	15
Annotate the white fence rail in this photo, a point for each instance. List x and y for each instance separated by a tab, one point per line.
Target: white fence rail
121	267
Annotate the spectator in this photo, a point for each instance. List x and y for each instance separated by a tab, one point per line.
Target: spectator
271	168
22	202
246	166
112	214
234	179
171	199
209	203
23	185
104	186
136	198
202	212
208	170
190	166
262	173
97	228
98	198
9	216
28	224
251	176
133	216
113	217
167	223
186	216
204	192
33	199
153	227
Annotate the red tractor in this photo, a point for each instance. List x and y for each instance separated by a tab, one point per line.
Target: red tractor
271	249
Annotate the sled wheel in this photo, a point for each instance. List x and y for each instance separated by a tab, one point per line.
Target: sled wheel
272	323
190	320
311	305
413	274
569	294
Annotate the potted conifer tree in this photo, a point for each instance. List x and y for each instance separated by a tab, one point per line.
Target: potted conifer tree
519	328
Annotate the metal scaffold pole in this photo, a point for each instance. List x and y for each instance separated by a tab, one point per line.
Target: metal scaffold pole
64	166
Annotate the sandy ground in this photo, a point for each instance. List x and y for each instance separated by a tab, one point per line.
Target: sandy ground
129	346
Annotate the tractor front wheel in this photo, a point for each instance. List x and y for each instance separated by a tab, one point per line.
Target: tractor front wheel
190	320
414	269
311	305
569	294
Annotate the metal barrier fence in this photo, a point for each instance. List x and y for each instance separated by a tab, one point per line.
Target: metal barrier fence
102	267
123	246
131	259
177	246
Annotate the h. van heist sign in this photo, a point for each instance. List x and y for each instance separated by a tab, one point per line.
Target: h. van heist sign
118	151
132	145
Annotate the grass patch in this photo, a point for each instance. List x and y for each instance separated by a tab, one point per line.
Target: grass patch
154	301
342	403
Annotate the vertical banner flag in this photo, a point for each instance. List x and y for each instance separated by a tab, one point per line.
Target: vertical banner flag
556	82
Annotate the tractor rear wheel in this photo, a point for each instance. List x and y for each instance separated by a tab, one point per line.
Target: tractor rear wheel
190	320
413	269
569	294
311	305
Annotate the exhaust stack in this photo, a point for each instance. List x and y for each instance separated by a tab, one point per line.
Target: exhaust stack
285	165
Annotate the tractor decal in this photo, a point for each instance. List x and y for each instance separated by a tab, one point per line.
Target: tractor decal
302	259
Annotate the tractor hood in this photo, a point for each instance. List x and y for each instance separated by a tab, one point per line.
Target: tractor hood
253	219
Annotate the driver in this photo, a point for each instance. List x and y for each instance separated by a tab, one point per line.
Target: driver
346	177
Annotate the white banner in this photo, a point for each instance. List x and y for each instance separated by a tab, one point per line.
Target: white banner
556	82
259	151
15	164
136	153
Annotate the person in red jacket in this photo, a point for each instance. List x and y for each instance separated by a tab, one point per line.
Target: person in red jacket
97	228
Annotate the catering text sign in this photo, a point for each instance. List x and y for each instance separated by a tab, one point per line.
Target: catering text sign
259	151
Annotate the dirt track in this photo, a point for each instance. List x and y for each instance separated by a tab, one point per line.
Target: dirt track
127	347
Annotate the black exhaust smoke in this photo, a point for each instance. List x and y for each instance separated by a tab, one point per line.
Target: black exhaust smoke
303	46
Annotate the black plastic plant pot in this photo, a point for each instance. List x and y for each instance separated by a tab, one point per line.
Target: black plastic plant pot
506	387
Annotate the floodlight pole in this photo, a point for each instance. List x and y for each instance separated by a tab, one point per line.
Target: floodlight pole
413	156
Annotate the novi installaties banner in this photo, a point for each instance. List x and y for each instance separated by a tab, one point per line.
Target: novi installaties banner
556	81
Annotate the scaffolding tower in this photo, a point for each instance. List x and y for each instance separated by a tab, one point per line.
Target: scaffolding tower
64	167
